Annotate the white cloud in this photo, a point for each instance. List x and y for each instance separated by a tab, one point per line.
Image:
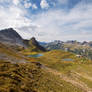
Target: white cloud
54	24
27	5
34	6
44	4
16	2
63	25
13	16
1	1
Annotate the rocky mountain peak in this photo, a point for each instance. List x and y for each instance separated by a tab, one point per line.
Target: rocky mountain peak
10	32
34	41
10	36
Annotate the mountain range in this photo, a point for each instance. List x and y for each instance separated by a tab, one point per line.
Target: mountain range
80	48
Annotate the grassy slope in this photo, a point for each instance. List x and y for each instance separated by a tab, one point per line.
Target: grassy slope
9	51
29	77
78	73
19	77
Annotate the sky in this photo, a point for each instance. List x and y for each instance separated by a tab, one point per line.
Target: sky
48	20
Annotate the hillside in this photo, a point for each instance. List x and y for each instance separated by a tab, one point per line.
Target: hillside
69	68
7	53
19	77
28	76
46	73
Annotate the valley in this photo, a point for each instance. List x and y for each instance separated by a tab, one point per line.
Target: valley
30	67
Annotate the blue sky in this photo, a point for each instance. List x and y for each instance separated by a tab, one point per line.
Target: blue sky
48	20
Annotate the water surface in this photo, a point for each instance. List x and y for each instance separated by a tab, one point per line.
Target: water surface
68	59
36	55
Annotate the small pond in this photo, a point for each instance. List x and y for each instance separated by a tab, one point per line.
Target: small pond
68	59
36	55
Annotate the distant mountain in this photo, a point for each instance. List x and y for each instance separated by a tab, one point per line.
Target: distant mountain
81	48
57	44
42	43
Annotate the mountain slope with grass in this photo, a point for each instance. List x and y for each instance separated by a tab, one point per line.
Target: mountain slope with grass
29	76
76	71
9	54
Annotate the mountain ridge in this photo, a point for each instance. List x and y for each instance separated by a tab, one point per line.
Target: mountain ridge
12	38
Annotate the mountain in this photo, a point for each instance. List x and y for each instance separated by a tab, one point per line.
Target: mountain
42	43
11	37
35	46
57	44
81	48
55	71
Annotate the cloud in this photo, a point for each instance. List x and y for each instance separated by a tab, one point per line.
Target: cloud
44	4
16	2
13	16
1	1
34	6
31	31
28	4
65	25
51	24
16	16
